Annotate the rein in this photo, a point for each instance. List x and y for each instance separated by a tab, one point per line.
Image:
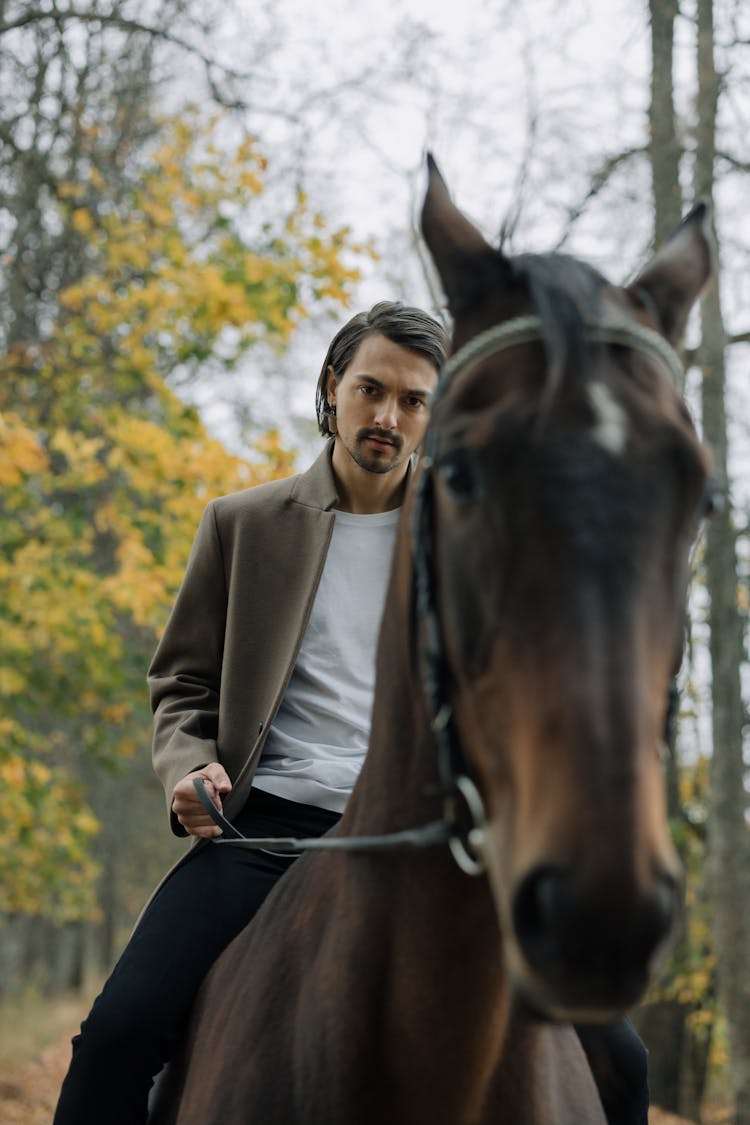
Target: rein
427	836
456	785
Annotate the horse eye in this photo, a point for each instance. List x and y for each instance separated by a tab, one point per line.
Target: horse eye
459	473
712	499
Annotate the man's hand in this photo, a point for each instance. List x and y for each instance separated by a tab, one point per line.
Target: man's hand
187	807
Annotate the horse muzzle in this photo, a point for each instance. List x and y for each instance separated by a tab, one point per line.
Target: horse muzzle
587	954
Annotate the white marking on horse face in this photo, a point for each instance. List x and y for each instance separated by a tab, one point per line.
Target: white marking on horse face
611	422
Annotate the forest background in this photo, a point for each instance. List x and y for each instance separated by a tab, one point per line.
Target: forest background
192	198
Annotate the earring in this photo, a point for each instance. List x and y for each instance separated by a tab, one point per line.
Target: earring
331	412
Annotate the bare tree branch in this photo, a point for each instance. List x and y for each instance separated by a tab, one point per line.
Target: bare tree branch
598	182
103	19
512	218
733	162
213	66
695	357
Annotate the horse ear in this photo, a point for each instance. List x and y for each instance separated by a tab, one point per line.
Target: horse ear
677	274
465	261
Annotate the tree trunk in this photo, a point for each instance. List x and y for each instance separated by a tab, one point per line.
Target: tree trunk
677	1067
664	145
729	841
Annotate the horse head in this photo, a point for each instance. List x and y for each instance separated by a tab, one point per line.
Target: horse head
566	483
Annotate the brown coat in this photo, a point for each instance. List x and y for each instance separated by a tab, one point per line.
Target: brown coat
222	666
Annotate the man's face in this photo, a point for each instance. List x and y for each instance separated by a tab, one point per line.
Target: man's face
382	403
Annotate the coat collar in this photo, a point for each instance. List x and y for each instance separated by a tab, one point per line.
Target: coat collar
316	488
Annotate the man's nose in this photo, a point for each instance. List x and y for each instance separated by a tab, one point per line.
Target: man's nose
387	415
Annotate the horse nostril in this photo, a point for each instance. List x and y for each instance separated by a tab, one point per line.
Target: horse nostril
539	907
660	913
563	930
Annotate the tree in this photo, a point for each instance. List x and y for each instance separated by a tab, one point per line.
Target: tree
139	252
728	855
729	837
107	470
677	1020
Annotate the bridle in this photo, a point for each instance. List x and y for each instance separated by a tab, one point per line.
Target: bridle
459	792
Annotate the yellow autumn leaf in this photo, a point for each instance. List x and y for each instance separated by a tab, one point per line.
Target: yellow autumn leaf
82	220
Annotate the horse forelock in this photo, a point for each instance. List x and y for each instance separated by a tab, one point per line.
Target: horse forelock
566	294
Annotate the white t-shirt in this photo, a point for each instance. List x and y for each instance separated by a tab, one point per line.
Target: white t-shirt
317	743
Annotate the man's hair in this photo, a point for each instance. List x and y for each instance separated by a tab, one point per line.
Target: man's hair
402	324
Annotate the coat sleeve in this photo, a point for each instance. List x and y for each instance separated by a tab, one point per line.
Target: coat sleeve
185	672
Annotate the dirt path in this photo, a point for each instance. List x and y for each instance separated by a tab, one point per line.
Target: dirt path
661	1117
28	1092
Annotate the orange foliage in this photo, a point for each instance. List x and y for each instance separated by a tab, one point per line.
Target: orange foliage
105	471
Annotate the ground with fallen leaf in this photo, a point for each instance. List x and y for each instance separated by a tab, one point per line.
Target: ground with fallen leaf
28	1089
28	1093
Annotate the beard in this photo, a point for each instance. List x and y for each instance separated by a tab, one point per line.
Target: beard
373	459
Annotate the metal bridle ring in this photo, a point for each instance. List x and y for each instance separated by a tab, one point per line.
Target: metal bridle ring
469	863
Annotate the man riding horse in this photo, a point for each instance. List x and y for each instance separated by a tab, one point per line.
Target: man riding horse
262	687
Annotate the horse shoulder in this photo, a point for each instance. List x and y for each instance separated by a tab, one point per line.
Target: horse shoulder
543	1078
258	1017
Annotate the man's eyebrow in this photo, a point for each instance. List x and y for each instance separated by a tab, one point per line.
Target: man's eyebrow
419	392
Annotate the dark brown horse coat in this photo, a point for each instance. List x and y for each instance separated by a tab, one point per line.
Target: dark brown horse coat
566	480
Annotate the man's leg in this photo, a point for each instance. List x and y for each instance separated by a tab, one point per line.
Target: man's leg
136	1022
619	1063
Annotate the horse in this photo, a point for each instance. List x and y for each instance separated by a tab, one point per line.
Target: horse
534	623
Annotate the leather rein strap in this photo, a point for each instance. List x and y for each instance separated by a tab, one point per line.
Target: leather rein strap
458	789
427	836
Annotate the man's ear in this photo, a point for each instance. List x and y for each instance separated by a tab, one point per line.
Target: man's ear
468	266
674	278
330	386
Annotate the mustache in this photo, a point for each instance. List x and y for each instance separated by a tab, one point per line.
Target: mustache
382	435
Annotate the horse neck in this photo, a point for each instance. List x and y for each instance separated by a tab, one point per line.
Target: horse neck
439	923
398	786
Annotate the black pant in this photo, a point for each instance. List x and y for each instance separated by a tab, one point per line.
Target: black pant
136	1021
619	1063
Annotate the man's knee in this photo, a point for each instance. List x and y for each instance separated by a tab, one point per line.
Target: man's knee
619	1063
